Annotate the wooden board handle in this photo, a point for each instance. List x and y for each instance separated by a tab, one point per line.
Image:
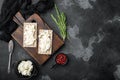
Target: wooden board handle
18	18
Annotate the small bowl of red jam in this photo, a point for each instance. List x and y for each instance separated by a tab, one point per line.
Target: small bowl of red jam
61	59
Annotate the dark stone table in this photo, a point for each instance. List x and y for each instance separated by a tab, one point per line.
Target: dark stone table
93	47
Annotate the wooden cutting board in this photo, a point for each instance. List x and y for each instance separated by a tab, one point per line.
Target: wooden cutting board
18	36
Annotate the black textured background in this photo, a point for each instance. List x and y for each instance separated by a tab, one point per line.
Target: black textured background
93	47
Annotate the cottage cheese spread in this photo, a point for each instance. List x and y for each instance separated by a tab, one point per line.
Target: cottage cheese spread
25	68
29	32
44	41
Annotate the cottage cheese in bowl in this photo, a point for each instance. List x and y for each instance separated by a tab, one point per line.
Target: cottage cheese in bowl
25	68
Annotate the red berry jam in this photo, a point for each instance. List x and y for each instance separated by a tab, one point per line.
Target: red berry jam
61	59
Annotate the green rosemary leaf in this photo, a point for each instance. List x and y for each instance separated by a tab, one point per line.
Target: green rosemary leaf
60	22
54	19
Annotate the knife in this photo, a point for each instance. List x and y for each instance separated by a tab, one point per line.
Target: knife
10	48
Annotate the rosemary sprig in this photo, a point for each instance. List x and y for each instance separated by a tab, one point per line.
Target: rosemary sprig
60	21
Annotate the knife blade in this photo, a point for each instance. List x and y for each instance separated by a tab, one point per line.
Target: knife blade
10	49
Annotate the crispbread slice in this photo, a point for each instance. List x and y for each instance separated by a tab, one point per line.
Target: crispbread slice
30	35
45	41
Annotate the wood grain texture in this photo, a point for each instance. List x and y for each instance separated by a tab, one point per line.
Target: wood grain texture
18	36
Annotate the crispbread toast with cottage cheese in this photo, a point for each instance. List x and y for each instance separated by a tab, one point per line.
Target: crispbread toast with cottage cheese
30	35
45	41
